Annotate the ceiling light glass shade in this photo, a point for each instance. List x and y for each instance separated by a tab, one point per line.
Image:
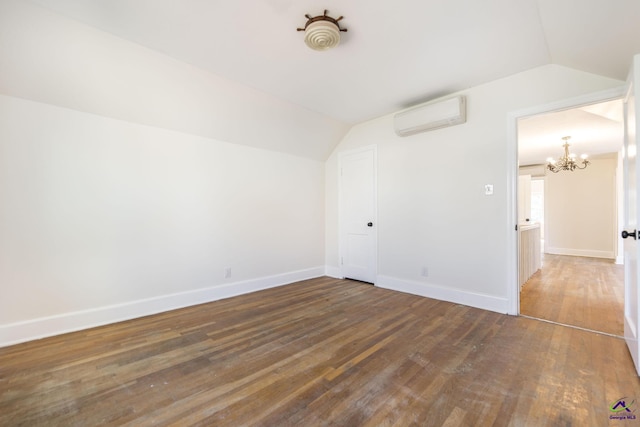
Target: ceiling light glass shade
322	35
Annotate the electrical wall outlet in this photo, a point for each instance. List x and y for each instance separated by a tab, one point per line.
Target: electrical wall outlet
425	272
227	272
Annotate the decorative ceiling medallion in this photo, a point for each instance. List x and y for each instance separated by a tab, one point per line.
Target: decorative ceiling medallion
322	32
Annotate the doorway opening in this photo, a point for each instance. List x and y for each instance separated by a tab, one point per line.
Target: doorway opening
575	215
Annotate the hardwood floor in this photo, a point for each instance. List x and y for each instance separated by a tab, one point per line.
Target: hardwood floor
578	291
315	353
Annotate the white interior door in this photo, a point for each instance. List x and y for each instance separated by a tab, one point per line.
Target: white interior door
631	211
358	247
524	198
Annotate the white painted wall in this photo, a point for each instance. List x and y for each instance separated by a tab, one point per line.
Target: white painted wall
432	210
581	214
102	219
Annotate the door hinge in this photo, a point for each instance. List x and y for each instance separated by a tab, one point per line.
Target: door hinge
516	227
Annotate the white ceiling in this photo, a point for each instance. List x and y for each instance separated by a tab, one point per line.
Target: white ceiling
594	130
395	54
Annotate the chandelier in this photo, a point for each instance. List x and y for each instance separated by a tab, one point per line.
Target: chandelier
322	32
568	161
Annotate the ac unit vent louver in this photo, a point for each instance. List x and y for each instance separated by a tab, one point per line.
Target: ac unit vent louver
430	116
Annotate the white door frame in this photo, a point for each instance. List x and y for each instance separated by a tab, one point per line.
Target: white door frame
374	230
513	294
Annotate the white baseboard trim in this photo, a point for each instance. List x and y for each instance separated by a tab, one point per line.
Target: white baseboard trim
333	272
15	333
581	252
483	301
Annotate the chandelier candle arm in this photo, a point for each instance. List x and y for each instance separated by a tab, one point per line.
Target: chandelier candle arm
567	162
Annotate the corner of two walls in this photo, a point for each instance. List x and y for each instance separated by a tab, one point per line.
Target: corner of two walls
432	210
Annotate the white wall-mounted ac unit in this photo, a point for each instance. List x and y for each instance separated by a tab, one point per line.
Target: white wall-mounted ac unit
433	115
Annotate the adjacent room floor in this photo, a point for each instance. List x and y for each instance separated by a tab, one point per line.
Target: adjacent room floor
319	352
578	291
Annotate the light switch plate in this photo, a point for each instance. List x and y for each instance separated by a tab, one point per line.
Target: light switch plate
488	189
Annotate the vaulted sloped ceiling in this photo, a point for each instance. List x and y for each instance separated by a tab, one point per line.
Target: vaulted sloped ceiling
238	71
394	54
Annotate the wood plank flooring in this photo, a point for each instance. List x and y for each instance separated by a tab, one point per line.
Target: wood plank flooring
317	353
578	291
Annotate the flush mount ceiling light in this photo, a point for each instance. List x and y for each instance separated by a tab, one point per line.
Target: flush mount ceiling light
568	161
322	32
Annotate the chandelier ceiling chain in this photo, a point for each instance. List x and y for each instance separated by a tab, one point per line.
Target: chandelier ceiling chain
322	32
568	161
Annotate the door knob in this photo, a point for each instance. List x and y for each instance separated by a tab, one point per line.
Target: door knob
626	234
369	224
